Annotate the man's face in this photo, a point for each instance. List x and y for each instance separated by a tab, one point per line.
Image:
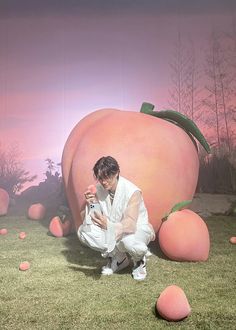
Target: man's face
108	183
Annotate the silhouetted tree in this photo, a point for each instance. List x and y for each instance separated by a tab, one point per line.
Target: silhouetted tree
52	169
178	92
193	90
185	74
231	38
212	100
12	173
221	74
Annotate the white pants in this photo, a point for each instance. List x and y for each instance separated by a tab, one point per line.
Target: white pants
136	244
133	244
94	237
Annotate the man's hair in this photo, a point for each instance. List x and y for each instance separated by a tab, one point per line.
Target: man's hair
106	167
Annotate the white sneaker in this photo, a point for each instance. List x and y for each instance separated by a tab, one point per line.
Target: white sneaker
114	265
148	254
139	272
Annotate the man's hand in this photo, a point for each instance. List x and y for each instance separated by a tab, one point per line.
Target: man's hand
90	198
99	219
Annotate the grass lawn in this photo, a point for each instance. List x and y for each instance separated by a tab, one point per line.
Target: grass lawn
63	288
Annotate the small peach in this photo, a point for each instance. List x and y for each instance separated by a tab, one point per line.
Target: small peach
233	239
173	304
93	189
36	211
55	227
24	265
3	231
22	235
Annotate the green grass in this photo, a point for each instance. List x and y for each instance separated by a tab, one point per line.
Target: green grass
63	288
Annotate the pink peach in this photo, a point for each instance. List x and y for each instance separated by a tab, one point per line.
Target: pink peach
55	227
233	239
4	201
3	231
25	265
173	304
93	189
36	211
22	235
184	236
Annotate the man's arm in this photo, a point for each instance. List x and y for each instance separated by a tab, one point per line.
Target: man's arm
129	220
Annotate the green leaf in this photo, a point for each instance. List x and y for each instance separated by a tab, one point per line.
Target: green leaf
146	107
178	119
180	205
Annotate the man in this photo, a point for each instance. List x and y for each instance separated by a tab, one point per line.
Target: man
120	225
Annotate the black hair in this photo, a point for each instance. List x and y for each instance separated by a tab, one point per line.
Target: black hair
106	167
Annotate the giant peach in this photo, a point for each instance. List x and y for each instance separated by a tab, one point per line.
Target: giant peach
155	154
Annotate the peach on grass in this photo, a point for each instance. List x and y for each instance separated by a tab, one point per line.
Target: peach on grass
4	201
173	304
25	265
22	235
184	236
233	239
55	227
36	211
59	228
3	231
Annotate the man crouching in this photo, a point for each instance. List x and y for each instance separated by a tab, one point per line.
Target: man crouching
116	220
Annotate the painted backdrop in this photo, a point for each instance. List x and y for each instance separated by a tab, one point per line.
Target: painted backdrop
60	60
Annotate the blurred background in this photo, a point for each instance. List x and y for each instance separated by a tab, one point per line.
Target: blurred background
63	59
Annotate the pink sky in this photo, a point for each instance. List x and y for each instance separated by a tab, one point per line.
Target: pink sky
58	66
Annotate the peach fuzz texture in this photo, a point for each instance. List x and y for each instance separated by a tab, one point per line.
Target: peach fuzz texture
173	304
4	201
184	236
156	155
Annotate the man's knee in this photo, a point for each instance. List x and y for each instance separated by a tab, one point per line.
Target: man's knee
135	248
93	237
80	235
